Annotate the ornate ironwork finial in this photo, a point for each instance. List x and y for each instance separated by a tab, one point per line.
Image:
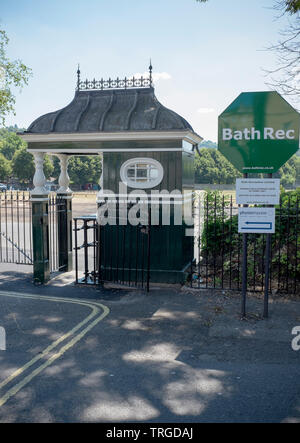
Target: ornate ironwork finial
78	77
125	83
150	73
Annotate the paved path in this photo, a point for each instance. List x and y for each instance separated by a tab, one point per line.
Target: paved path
77	354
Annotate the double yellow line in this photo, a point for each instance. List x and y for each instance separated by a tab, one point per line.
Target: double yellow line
99	312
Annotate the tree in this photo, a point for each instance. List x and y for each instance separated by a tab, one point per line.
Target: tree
213	168
285	78
83	170
5	168
289	173
10	142
297	167
12	74
291	6
24	168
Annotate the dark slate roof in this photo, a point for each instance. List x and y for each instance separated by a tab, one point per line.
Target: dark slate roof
111	111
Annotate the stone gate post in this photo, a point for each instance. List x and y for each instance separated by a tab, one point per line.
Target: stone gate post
40	223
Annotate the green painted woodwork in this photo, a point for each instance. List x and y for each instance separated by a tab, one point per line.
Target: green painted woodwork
171	162
40	241
81	147
64	229
170	248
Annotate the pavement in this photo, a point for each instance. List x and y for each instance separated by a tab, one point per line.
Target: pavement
175	355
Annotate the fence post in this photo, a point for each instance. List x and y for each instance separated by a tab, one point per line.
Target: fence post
244	270
64	217
40	223
64	232
267	269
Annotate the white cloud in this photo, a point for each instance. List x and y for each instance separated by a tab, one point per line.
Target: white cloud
205	110
161	76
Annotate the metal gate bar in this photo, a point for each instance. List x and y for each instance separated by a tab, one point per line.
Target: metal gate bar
86	243
15	228
104	256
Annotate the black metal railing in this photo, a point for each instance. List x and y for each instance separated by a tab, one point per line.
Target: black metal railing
15	228
118	83
85	248
126	83
218	246
105	254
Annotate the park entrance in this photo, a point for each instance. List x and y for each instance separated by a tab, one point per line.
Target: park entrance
16	229
144	148
216	255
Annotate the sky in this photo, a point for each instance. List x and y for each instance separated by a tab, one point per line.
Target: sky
203	54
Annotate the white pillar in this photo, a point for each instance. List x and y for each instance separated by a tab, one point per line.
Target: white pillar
64	179
39	179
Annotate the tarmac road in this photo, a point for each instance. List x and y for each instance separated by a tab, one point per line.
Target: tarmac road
75	354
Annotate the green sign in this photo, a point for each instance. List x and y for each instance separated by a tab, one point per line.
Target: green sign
259	132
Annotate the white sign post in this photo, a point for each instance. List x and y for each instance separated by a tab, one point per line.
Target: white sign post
252	191
257	220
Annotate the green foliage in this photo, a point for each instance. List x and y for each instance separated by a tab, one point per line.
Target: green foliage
5	168
213	168
48	167
83	170
289	173
23	165
221	242
12	74
10	142
24	168
19	162
289	198
218	225
292	6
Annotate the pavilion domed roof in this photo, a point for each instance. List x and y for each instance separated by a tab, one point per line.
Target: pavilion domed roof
111	110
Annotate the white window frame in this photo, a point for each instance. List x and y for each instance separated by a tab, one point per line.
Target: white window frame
140	184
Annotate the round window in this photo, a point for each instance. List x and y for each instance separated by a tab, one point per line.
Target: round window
141	173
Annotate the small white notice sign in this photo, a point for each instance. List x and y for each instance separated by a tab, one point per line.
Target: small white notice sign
252	191
257	220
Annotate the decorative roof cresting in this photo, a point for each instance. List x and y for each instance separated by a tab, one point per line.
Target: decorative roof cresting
125	83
